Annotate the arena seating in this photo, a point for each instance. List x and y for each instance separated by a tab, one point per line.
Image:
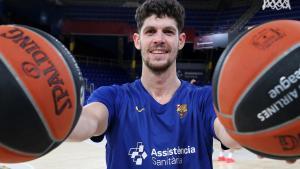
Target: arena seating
268	14
1	8
96	75
201	20
227	18
204	21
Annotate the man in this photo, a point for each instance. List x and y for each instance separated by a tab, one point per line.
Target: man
158	120
193	81
226	154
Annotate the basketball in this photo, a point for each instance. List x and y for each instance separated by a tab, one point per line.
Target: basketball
41	93
256	89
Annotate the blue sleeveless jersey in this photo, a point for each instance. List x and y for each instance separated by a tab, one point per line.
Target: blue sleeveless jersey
144	134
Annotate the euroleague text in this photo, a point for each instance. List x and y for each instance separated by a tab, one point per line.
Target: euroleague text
42	66
171	156
285	85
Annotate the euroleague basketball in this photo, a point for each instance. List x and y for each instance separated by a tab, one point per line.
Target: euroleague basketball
40	93
256	87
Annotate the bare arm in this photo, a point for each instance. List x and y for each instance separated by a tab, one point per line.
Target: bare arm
93	121
224	137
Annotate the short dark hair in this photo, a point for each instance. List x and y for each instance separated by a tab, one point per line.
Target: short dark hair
160	8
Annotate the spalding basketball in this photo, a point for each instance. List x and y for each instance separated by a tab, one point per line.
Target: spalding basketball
256	87
40	93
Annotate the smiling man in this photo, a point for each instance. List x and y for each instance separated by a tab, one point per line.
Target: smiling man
159	43
158	121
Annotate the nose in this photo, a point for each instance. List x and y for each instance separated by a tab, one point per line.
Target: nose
159	38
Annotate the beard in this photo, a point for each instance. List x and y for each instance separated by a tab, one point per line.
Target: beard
158	69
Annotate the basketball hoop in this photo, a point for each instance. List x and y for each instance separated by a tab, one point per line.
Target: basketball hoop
276	4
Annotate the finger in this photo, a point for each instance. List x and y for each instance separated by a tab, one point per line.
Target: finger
260	157
290	161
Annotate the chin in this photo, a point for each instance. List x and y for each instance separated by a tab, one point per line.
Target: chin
158	68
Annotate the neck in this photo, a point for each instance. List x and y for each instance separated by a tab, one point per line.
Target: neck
161	86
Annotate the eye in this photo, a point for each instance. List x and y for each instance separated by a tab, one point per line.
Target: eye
150	31
169	32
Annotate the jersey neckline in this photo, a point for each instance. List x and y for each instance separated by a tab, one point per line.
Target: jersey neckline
153	101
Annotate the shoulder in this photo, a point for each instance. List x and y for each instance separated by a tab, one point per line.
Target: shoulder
198	93
110	93
206	89
197	89
204	92
113	89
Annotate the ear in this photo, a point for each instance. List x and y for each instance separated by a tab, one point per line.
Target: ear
182	38
136	39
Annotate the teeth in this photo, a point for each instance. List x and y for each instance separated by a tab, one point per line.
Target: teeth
158	52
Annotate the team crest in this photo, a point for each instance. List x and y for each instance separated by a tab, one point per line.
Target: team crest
181	109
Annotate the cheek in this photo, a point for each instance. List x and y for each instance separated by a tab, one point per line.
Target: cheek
175	46
143	44
174	42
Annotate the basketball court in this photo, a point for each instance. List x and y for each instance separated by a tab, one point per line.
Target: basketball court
89	155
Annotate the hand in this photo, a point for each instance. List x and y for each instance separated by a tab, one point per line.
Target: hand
290	161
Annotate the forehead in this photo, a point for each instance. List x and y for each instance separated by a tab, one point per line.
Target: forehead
159	23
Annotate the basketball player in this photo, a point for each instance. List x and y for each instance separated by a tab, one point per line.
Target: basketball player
193	81
226	154
158	120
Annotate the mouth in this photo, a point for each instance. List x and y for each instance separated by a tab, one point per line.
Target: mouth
158	51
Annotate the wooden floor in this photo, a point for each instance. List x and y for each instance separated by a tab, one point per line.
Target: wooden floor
87	155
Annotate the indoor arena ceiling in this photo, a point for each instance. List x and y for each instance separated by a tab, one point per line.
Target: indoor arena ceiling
198	4
201	4
44	11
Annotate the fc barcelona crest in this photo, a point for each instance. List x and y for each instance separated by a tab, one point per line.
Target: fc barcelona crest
181	109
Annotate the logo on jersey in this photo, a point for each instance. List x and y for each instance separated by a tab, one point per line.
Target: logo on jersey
139	110
138	154
167	156
181	109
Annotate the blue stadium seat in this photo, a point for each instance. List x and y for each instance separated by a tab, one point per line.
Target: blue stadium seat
103	75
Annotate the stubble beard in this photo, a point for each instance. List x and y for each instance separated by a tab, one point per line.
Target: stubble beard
158	69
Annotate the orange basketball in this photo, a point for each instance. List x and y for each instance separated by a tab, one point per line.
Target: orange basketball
40	93
256	87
